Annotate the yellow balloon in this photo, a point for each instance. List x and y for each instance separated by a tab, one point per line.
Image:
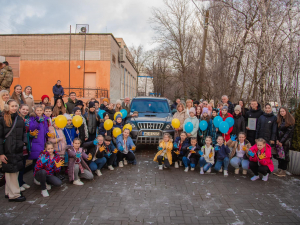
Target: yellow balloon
77	121
176	123
116	132
108	124
61	121
117	113
128	126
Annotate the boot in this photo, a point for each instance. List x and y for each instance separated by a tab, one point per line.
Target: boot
282	173
276	173
237	171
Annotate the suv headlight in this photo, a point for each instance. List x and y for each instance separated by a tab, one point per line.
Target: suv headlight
168	126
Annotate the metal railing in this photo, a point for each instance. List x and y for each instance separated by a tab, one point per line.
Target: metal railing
87	92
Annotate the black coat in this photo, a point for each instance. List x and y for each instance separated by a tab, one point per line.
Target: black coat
244	111
230	107
267	127
12	146
111	113
91	149
284	136
239	124
251	134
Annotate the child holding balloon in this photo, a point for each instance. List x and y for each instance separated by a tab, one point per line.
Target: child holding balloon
102	128
207	155
191	124
222	156
118	122
58	138
111	152
83	130
225	128
214	131
190	157
205	126
92	121
180	144
70	131
164	154
110	110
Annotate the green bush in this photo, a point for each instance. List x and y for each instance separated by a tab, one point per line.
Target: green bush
296	137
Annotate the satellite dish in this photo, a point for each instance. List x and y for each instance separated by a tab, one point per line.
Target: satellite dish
83	29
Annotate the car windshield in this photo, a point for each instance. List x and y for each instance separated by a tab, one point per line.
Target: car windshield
150	106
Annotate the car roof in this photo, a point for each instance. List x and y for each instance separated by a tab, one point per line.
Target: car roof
147	97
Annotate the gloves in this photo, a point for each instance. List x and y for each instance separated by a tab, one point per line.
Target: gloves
175	145
121	148
251	153
41	119
262	156
210	155
60	163
217	148
160	148
191	147
95	142
78	154
50	135
101	149
133	148
233	137
89	157
43	159
34	133
108	154
200	152
115	151
177	152
244	148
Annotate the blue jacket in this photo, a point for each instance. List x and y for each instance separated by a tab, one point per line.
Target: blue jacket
184	145
119	125
70	134
102	131
110	148
223	152
130	144
58	90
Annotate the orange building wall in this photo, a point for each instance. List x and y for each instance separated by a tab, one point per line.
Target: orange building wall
43	75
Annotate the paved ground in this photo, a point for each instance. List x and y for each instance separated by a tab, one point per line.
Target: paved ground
143	195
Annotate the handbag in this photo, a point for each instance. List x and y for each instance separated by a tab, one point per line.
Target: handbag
280	152
15	122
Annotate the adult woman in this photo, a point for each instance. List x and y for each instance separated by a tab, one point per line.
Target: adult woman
28	98
58	108
181	116
118	106
126	147
4	96
189	105
12	140
267	126
17	95
225	114
285	132
243	109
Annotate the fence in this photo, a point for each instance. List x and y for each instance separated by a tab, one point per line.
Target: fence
87	92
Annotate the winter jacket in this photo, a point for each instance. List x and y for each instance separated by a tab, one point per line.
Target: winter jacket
213	132
227	135
70	105
195	123
207	153
6	78
174	106
29	101
193	155
72	158
93	150
38	142
70	134
83	131
264	162
230	107
118	125
284	136
267	127
102	131
59	146
111	113
181	116
223	152
239	124
127	108
165	147
12	146
49	166
58	91
91	119
244	111
251	134
183	146
234	145
206	132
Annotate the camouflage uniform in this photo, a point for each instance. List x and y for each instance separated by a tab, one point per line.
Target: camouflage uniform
6	78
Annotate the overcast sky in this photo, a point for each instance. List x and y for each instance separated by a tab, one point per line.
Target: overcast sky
123	18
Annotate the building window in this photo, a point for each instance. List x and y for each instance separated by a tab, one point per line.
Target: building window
114	59
14	62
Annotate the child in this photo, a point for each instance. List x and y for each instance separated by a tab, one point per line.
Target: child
83	130
193	119
214	131
164	154
225	114
111	152
96	106
46	166
190	157
77	167
70	131
205	133
58	139
222	156
23	112
180	144
102	130
92	121
80	105
125	147
105	103
45	101
239	154
118	122
48	114
198	112
207	155
261	159
110	110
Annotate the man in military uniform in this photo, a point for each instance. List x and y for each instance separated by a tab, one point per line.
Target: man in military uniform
6	76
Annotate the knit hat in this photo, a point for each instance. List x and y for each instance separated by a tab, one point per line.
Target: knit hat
79	102
106	100
91	105
192	110
225	107
119	102
75	109
68	116
238	108
205	110
45	96
118	116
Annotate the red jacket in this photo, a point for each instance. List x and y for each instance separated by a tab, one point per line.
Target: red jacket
227	136
264	162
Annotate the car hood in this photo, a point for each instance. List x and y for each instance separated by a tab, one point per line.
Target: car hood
152	117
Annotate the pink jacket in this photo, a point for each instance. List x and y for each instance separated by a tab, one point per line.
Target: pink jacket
59	146
264	162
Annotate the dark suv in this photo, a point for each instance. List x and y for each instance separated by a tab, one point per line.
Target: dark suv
154	119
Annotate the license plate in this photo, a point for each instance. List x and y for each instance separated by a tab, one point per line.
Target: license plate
151	133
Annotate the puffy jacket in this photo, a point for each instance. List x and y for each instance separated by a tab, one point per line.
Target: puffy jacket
6	77
239	124
111	113
70	105
227	136
102	131
195	123
58	91
118	125
206	132
264	162
267	127
49	166
91	119
59	146
223	152
12	146
284	136
165	147
251	134
184	145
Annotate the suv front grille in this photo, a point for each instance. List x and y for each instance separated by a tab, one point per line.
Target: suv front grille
150	126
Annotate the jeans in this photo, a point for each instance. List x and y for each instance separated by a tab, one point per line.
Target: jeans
187	162
86	175
204	164
220	163
264	170
237	161
160	161
97	164
21	172
42	177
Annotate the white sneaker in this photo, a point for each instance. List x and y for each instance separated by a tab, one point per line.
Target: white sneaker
265	178
244	172
192	169
98	172
111	167
180	163
48	186
22	189
45	193
165	166
36	182
121	164
254	178
160	167
186	169
225	173
221	170
209	170
201	170
237	171
78	182
25	186
176	165
125	162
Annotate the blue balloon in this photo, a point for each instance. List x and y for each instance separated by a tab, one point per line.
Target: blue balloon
124	113
223	127
230	121
217	121
188	127
203	125
100	113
